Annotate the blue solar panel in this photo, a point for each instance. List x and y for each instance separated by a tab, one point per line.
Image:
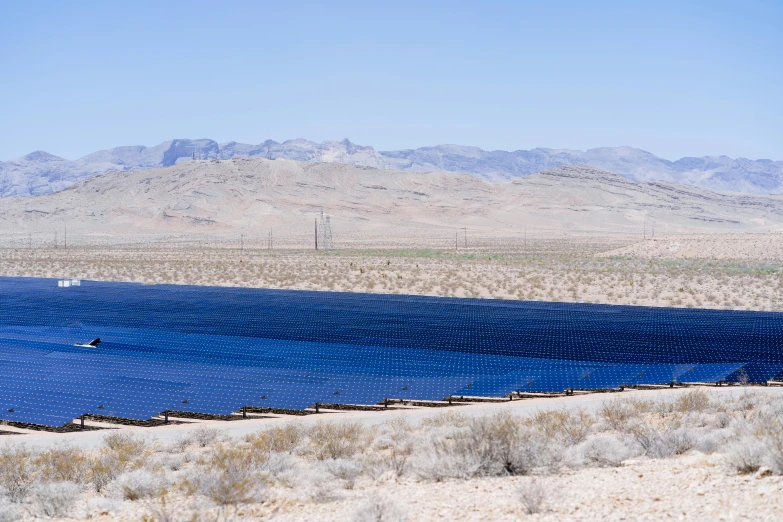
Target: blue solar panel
214	350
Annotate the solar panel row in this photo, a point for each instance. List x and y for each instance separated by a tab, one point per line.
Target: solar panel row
213	350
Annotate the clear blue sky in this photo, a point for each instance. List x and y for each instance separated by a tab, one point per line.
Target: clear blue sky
676	78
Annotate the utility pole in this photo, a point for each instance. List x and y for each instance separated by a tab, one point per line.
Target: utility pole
29	241
65	240
316	234
241	242
456	240
55	239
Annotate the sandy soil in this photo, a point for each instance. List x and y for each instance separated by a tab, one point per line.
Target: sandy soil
686	488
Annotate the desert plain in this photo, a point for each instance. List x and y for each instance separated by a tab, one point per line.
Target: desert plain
572	234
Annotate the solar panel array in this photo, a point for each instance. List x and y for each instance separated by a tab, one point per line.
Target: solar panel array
214	350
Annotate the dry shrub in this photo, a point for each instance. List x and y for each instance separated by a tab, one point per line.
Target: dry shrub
499	444
17	471
203	436
394	447
769	430
227	456
55	499
446	418
618	413
126	447
281	439
231	487
502	442
602	451
692	401
121	452
334	440
140	483
446	458
746	455
569	427
161	510
377	508
745	405
345	470
533	497
64	464
102	471
9	511
663	440
229	476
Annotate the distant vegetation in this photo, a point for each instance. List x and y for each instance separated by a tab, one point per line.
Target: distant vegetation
544	272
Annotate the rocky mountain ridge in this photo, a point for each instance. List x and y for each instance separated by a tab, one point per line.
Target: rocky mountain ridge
42	173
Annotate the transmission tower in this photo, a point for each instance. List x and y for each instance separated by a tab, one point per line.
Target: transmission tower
326	232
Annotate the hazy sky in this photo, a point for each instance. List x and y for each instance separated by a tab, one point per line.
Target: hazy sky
676	78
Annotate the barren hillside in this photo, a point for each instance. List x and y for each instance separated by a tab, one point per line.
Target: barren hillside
218	198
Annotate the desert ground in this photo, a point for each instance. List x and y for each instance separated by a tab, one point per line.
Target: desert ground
687	454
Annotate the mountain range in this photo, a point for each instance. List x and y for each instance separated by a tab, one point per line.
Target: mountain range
221	199
42	173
